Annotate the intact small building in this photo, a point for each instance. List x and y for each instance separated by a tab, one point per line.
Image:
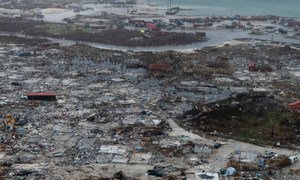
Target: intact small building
151	26
49	44
293	23
43	96
24	54
160	67
294	106
74	6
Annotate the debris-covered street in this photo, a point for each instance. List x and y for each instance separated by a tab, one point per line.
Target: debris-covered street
118	114
126	89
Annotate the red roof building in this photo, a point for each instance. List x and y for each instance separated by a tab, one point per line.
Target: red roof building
151	26
45	96
160	67
294	23
294	104
252	66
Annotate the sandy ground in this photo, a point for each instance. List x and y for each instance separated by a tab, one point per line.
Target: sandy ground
217	160
142	7
220	158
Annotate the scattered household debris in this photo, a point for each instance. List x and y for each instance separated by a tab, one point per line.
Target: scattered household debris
112	113
230	171
9	122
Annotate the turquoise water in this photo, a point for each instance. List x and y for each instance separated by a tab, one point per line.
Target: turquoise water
287	8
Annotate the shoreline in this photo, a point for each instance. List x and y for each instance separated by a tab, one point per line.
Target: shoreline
202	10
142	9
84	108
189	48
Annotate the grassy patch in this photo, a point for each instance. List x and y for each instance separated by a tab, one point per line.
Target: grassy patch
259	131
255	119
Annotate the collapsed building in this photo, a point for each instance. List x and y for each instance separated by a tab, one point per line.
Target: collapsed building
141	113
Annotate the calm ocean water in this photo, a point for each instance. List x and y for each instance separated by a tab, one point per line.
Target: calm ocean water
288	8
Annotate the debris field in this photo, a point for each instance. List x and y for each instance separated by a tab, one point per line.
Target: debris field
78	112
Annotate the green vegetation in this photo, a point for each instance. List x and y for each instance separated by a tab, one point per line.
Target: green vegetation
254	118
275	126
63	28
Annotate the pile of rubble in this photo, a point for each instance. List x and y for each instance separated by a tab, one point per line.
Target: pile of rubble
79	112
